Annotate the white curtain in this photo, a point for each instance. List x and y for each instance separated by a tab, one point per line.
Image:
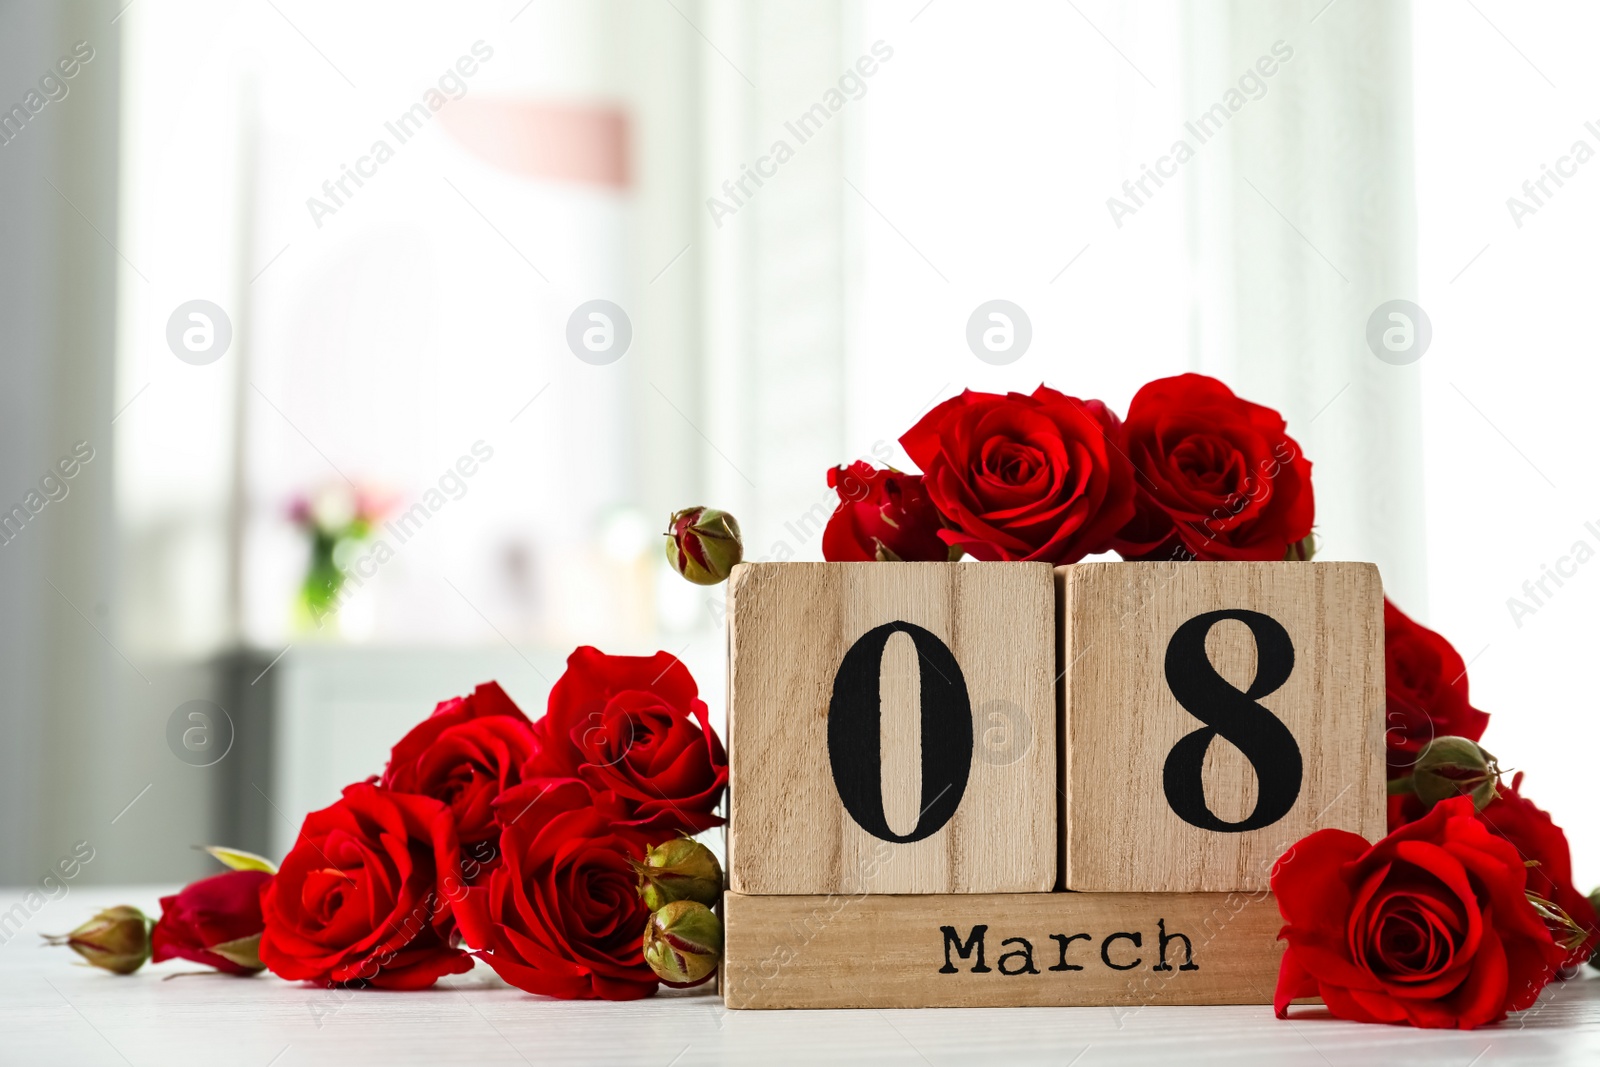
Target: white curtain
774	270
64	752
1303	221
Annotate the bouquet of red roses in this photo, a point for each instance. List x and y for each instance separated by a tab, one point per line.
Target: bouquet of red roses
1193	473
1467	910
555	851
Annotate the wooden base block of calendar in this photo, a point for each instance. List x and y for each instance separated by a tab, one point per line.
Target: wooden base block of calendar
999	950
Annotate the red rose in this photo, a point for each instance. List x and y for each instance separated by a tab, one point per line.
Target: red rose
1426	682
1403	808
1150	535
1015	477
1430	926
215	921
561	915
1218	478
1539	840
469	751
882	515
364	896
634	725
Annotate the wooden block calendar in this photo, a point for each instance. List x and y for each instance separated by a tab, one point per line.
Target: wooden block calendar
1060	775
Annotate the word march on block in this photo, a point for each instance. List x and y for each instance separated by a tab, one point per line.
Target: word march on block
891	728
1012	784
1002	950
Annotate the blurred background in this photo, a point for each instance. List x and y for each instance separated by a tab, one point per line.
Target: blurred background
379	340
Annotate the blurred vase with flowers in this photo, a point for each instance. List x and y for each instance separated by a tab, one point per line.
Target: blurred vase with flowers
337	519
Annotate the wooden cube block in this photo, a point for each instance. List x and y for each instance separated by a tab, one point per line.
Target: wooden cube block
1214	714
891	728
1005	950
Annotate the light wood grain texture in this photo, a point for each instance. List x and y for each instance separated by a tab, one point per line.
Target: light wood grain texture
1037	949
789	627
1122	719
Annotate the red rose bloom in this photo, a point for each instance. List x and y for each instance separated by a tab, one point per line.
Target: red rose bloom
562	916
1426	682
1403	808
1537	838
469	751
882	515
215	921
1150	535
1430	926
1016	477
1218	477
634	725
364	896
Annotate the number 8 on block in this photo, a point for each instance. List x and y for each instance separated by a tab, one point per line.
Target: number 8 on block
892	728
1214	714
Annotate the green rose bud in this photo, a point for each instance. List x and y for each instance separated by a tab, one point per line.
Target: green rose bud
683	943
1454	766
680	869
1302	550
117	939
1564	930
703	544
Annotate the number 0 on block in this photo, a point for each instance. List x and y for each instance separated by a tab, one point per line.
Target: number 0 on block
892	728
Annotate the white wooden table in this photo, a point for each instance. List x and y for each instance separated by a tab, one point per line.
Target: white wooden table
55	1013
